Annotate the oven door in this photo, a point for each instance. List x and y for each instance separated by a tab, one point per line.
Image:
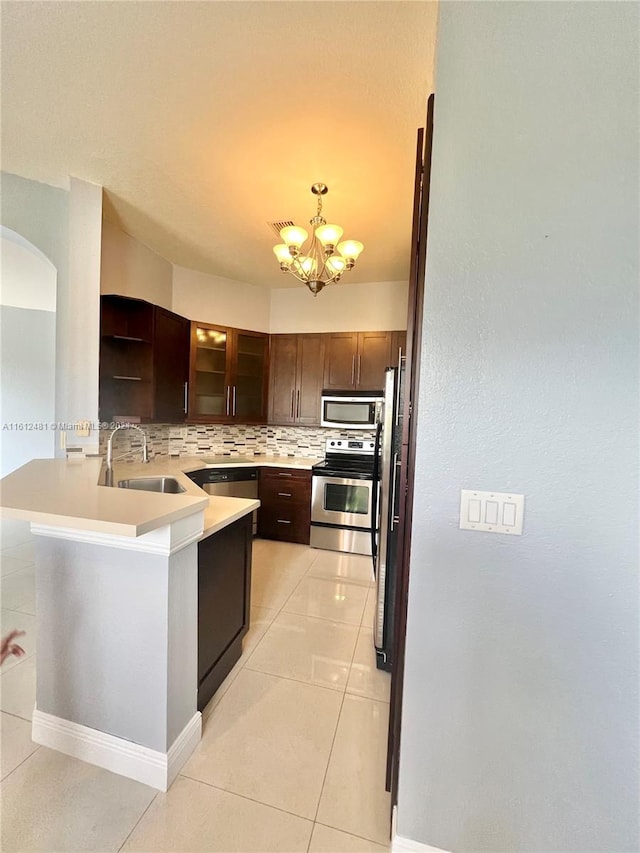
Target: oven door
343	501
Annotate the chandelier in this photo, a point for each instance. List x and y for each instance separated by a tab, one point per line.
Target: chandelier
319	264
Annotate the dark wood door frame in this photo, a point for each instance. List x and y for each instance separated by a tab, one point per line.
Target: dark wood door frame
412	379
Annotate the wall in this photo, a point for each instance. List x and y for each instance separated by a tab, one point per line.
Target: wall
129	268
520	723
79	315
90	620
27	353
66	227
40	214
222	301
340	308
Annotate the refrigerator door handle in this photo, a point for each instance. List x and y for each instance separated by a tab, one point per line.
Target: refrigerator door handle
395	518
374	495
398	384
386	473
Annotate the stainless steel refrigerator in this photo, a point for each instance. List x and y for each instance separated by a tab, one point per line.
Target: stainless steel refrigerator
384	530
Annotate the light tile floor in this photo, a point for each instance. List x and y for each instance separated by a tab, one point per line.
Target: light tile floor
293	751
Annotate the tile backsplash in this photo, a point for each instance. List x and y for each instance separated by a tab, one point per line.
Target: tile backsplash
226	440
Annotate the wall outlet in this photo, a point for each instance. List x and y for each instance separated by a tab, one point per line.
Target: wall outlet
491	512
83	429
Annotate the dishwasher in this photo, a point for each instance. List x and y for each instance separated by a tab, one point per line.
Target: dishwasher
229	483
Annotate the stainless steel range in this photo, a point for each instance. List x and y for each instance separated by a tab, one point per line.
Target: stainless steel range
342	497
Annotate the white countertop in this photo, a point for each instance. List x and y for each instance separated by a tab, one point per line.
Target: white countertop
66	493
239	461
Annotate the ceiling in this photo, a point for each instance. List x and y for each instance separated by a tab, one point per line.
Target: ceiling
204	121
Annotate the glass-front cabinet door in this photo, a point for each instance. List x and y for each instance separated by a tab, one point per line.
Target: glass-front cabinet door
249	380
228	376
210	389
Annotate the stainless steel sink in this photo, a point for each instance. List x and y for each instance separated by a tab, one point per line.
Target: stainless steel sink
153	484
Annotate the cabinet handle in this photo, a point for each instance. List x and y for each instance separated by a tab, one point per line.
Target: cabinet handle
282	521
284	494
280	474
186	397
234	401
353	369
227	409
400	356
298	404
359	366
292	393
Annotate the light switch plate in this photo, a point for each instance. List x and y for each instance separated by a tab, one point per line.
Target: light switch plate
491	512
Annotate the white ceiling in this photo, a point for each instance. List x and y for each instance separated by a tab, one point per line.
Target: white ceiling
203	121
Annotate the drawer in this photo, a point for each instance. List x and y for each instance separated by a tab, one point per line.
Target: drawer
280	474
284	492
289	524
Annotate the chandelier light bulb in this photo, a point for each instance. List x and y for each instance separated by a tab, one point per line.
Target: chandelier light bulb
350	249
329	235
281	251
336	265
294	236
308	265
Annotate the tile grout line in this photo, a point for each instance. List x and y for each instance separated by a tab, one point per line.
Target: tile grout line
245	797
11	772
333	741
133	828
297	680
355	834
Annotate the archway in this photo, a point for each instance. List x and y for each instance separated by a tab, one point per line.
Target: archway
27	353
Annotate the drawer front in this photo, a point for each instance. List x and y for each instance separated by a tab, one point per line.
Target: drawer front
282	493
289	524
280	474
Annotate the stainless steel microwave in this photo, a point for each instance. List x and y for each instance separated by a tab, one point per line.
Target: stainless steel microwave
351	409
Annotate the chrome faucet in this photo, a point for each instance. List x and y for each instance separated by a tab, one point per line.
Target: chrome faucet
145	452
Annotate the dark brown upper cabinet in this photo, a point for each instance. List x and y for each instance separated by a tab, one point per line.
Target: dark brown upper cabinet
398	347
228	375
357	360
296	369
171	366
144	359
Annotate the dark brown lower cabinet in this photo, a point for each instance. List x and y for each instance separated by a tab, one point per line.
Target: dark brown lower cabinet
285	504
224	599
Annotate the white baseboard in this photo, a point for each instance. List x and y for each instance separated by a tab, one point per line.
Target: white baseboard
150	766
408	845
182	747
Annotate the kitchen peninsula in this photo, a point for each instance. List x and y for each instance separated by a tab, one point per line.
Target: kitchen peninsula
117	606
